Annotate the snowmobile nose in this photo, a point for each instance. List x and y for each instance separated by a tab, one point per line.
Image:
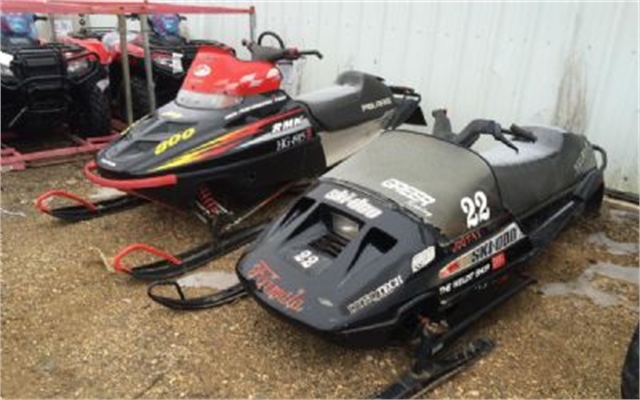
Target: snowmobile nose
128	184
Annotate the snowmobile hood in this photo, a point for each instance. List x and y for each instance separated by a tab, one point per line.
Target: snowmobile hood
334	269
180	137
425	176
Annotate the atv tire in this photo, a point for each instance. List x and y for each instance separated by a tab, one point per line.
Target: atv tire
94	117
139	98
630	370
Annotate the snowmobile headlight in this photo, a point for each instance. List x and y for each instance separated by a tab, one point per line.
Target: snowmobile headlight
344	226
75	66
5	70
206	101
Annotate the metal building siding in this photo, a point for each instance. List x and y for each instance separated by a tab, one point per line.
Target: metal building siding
568	64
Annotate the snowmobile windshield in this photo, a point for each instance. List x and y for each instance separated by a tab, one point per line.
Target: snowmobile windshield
206	101
18	25
425	176
165	24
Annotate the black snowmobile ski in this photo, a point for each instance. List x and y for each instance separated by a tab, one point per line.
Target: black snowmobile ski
86	210
195	303
412	383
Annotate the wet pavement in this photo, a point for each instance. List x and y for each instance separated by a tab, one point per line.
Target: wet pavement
73	328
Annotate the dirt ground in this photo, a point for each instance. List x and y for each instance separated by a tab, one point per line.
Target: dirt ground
73	329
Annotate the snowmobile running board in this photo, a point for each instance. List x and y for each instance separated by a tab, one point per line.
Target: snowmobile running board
173	266
87	209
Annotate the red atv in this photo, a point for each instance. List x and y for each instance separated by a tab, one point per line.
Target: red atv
171	54
48	83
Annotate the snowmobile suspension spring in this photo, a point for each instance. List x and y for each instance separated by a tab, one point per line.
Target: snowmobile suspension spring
207	200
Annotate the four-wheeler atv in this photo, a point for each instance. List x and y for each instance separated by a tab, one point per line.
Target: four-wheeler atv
417	234
171	54
48	83
232	141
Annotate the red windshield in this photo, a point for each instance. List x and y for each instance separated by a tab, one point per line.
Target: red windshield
214	71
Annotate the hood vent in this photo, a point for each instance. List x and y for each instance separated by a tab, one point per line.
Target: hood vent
330	243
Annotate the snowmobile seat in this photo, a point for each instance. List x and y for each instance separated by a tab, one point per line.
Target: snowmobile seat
536	172
355	98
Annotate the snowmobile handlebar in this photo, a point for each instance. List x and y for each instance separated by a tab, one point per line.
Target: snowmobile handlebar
273	54
471	133
521	133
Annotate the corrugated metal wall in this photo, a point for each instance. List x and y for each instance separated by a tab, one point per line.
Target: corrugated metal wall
568	64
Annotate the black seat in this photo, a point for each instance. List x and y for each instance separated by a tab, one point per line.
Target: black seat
538	171
357	97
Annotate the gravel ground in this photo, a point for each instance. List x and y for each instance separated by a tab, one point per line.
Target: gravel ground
73	329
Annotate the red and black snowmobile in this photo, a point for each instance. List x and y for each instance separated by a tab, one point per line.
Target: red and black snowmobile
232	141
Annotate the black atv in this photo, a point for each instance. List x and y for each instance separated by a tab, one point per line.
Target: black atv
48	83
171	54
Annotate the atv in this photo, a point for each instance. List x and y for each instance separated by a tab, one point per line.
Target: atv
417	236
52	82
171	55
231	142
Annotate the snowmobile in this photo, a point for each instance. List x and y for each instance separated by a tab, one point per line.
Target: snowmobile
232	142
417	235
629	382
171	55
52	82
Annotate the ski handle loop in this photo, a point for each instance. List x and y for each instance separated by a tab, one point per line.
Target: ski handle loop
117	260
42	206
128	184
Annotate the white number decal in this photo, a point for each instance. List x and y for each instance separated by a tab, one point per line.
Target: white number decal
306	258
476	209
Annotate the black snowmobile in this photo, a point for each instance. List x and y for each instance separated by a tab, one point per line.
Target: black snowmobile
419	235
231	142
46	83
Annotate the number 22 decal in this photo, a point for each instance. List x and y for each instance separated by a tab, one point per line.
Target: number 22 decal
476	209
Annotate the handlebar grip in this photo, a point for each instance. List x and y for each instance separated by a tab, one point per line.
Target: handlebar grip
522	133
311	53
